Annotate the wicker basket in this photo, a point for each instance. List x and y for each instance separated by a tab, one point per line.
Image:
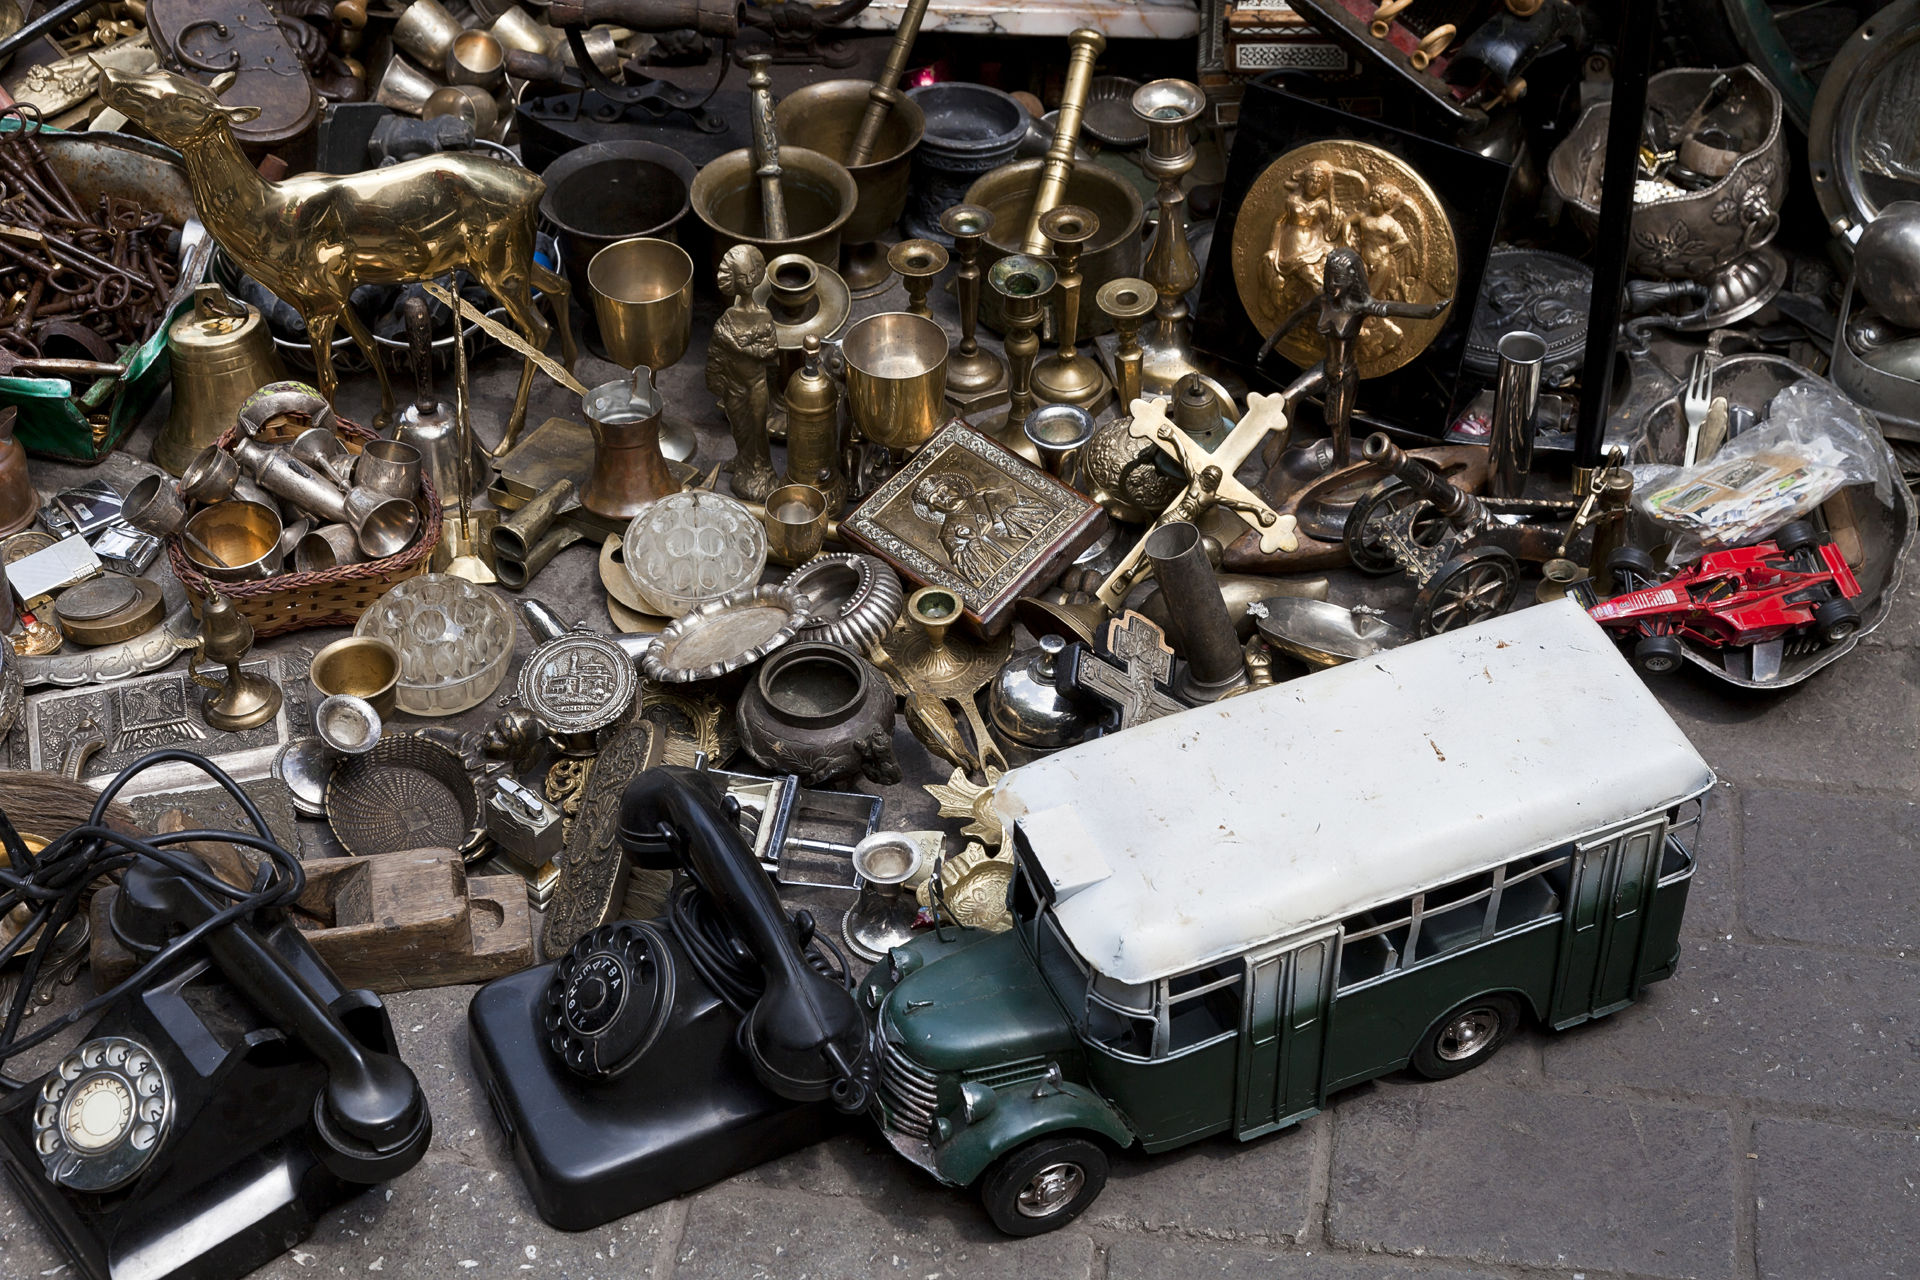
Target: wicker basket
326	597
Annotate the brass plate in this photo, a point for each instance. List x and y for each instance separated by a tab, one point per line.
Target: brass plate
1320	197
593	868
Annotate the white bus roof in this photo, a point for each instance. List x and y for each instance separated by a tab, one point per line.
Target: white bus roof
1196	836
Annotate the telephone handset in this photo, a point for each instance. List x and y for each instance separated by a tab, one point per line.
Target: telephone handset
659	1056
230	1093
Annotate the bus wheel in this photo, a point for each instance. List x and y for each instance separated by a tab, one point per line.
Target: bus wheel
1043	1185
1466	1037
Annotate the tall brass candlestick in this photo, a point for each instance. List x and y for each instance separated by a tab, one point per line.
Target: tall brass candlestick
886	91
1168	108
976	377
1023	283
1067	376
766	148
1127	301
1058	166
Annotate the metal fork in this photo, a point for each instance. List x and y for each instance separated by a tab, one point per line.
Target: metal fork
1695	403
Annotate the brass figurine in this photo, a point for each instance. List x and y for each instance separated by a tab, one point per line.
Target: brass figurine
976	377
1084	46
1067	376
1344	305
742	344
313	238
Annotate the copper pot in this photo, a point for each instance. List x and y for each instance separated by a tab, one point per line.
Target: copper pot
629	470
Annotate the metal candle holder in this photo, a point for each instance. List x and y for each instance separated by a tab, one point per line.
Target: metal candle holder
976	377
1169	108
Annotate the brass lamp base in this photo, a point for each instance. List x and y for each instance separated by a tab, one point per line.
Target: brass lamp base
247	701
1072	378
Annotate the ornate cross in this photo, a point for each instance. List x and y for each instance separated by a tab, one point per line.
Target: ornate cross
1210	482
1131	687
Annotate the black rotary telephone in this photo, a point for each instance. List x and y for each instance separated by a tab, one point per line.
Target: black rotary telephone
230	1092
659	1056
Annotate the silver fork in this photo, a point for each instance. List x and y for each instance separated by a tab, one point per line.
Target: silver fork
1695	403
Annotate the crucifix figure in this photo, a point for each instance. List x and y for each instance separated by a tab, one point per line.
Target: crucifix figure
1210	482
1130	682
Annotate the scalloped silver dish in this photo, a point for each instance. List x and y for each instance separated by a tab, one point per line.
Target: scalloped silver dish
854	599
726	634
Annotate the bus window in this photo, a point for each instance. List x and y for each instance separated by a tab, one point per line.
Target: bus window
1124	1033
1373	941
1453	916
1203	1006
1308	973
1533	890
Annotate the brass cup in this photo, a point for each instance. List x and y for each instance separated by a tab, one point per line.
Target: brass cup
824	117
327	547
154	505
244	534
643	298
361	667
467	101
821	197
896	378
210	477
404	87
427	31
514	29
1059	432
796	522
476	58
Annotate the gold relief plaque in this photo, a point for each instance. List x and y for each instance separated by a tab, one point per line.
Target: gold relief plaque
1331	194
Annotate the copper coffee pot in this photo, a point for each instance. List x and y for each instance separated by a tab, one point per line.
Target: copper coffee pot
629	470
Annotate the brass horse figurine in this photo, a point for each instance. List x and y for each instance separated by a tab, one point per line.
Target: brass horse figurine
315	237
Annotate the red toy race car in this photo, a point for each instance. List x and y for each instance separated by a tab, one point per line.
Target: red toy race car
1798	583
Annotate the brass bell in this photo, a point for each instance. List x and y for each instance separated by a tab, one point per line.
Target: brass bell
221	354
246	699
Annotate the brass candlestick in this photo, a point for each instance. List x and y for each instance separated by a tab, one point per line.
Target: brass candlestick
1023	284
1057	169
1127	301
1168	108
976	378
246	699
917	262
1067	376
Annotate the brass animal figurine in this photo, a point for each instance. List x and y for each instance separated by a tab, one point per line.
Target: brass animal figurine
313	238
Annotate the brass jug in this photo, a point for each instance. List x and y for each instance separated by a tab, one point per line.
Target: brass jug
19	504
629	471
221	354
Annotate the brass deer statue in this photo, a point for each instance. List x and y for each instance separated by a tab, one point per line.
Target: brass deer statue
315	237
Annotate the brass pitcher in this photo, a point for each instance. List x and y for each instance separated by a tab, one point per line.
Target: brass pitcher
221	354
629	470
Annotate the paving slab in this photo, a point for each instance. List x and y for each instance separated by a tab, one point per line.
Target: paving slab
1220	1187
1772	1023
1524	1178
431	1026
1711	901
749	1230
1836	1203
1831	869
1187	1260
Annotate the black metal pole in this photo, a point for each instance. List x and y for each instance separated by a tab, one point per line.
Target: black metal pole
37	27
1632	61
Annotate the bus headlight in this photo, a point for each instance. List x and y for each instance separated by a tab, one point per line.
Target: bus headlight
977	1101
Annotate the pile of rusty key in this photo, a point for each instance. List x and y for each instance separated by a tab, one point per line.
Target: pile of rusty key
74	281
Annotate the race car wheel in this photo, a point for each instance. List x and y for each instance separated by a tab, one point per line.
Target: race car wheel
1632	570
1658	655
1795	536
1836	619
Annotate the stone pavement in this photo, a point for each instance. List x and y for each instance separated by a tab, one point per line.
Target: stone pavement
1755	1118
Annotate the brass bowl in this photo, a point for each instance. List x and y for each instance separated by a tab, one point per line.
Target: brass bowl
246	535
1114	254
821	196
824	117
896	378
365	667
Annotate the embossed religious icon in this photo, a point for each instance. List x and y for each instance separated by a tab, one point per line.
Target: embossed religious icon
967	515
743	343
1131	679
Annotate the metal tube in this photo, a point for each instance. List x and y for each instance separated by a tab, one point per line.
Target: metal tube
516	571
1460	508
1516	398
766	148
885	91
517	536
1202	631
1057	169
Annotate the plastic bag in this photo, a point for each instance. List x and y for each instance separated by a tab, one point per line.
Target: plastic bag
1812	443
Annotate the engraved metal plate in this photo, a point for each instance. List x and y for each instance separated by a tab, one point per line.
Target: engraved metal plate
578	682
1543	293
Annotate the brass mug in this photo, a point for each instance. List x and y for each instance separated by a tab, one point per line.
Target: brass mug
476	58
643	298
896	378
796	522
360	666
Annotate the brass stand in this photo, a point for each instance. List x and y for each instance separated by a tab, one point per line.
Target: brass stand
918	263
1126	301
1169	108
1067	376
976	378
1023	284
